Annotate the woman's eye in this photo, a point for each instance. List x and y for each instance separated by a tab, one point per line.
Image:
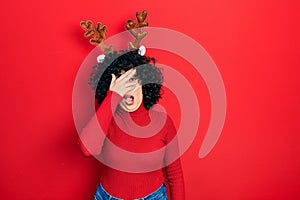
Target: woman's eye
132	79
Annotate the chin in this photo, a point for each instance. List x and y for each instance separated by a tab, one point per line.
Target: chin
131	108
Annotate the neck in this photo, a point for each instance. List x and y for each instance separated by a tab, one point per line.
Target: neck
139	112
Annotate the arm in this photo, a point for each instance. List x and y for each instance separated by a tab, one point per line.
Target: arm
93	135
173	171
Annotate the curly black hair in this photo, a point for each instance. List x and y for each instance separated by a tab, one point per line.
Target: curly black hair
117	62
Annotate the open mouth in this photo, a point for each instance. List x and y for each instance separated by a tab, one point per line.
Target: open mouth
129	99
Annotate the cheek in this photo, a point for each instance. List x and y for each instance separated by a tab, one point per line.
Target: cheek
138	94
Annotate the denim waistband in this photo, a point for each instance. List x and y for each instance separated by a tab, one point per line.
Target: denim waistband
159	194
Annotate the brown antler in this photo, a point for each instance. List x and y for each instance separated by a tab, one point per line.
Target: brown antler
135	29
97	33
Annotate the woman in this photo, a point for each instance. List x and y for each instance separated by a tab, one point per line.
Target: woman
126	91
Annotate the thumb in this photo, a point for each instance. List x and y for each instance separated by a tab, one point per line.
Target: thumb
113	78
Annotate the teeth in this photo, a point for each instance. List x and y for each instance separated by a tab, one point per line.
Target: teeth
128	99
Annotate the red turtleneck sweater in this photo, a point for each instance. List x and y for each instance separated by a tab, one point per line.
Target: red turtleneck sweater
142	133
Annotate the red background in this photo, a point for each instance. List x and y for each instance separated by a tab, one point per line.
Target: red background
255	45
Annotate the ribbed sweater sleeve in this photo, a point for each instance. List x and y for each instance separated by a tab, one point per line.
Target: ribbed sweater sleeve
173	171
92	135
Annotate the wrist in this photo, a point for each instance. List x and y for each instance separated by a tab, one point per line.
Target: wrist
116	92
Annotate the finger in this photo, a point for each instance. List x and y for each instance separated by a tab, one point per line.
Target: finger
113	78
132	86
124	74
131	78
131	83
112	82
135	88
129	86
132	89
127	75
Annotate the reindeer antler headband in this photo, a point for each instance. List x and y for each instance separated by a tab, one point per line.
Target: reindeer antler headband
98	34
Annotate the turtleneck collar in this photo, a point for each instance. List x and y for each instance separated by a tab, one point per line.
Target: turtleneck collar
139	112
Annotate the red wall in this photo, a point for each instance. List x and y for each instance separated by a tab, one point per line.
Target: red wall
255	45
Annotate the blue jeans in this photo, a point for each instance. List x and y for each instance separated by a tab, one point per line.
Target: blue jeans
159	194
